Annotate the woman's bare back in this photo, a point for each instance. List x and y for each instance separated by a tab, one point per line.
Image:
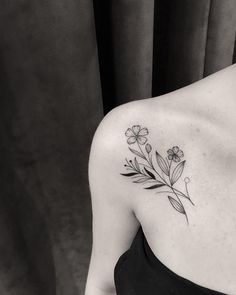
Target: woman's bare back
198	242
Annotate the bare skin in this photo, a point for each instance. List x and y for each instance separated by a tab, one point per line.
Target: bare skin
201	120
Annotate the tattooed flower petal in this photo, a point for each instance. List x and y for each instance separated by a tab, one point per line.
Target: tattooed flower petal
136	129
180	154
141	140
175	149
129	132
170	152
143	132
170	157
131	140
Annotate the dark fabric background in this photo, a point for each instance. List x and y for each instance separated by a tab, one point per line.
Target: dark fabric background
64	64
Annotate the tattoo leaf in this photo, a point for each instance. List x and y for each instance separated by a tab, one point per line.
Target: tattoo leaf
141	179
162	164
137	153
136	164
176	205
177	172
150	173
155	186
129	174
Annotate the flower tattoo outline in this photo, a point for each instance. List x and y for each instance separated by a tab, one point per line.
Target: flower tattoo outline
175	154
142	170
136	134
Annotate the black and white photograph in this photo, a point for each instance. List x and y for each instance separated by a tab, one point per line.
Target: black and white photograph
118	147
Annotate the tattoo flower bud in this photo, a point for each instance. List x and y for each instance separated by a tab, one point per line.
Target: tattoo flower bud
148	148
186	180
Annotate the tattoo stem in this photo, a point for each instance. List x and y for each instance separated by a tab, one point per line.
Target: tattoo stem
180	203
148	160
164	182
151	165
177	195
162	178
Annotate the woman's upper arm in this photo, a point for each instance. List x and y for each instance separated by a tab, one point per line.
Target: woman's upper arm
114	223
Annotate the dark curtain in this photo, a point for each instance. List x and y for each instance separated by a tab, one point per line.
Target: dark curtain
64	64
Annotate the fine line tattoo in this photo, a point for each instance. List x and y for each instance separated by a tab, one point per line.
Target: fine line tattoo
163	173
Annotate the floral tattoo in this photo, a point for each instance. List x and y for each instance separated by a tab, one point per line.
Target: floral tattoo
163	173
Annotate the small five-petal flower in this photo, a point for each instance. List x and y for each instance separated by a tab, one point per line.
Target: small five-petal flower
136	134
175	154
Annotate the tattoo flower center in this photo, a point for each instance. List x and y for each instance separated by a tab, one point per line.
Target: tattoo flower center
136	134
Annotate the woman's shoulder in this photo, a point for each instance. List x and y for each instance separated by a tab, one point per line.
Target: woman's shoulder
189	101
111	129
188	117
110	150
110	139
124	138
